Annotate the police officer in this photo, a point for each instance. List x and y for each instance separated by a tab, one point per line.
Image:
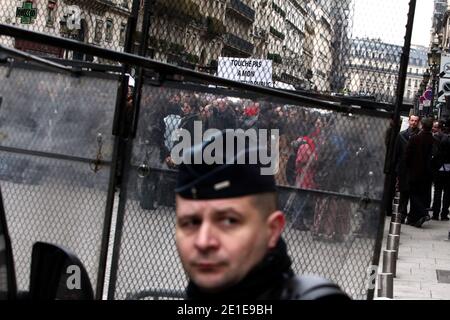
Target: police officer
228	235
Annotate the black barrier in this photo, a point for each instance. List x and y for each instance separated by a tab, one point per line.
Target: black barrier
330	185
8	288
56	153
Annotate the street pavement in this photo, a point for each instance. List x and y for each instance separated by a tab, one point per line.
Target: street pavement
422	252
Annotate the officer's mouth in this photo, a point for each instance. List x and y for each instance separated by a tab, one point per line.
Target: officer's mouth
208	266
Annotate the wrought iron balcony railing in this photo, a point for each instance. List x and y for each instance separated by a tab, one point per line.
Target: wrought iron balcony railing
238	43
242	9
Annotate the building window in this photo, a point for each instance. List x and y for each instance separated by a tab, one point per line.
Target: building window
51	10
123	29
409	82
124	3
98	30
109	30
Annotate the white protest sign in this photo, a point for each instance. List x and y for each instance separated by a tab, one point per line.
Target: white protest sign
251	71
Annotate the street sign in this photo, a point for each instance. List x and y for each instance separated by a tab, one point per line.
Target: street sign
26	13
428	94
445	65
444	81
444	86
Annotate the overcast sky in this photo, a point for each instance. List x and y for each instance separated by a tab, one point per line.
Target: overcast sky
386	19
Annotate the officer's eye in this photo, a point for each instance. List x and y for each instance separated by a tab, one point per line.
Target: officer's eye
189	222
229	221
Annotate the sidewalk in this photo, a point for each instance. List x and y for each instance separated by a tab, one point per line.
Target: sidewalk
422	252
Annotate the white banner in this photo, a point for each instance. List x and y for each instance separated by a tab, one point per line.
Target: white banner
251	71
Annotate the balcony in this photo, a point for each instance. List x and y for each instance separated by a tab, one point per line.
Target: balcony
242	10
101	5
309	27
234	42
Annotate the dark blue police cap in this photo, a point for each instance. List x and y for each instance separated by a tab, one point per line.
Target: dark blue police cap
227	179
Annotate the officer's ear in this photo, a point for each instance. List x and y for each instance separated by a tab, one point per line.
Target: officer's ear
275	223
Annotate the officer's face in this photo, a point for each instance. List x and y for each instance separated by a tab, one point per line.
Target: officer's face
220	241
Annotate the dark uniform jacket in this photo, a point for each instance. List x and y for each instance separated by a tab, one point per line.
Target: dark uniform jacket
273	279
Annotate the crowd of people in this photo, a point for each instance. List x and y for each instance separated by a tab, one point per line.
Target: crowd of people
318	150
421	160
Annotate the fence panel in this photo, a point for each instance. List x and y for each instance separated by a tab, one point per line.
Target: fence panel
330	183
56	149
332	47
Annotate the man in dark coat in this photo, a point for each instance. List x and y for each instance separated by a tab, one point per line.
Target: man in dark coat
442	178
399	164
418	160
223	116
228	235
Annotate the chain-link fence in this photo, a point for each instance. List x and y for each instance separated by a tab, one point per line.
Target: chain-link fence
330	182
318	46
56	149
55	126
339	47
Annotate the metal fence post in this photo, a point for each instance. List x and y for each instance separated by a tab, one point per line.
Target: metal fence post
393	243
395	228
389	262
386	285
122	150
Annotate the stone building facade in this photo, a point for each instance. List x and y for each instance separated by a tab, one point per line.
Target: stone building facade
98	22
374	68
307	40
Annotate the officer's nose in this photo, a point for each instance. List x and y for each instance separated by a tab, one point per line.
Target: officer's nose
206	237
